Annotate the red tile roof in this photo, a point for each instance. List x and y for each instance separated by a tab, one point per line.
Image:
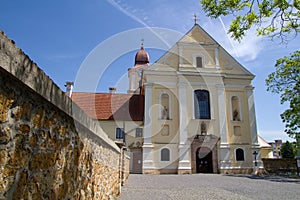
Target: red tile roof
107	106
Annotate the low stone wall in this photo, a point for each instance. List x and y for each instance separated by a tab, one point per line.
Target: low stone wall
49	148
277	166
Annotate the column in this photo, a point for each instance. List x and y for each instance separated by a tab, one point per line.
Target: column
184	147
148	146
224	147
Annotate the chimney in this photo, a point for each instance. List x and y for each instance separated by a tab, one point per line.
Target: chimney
112	90
69	88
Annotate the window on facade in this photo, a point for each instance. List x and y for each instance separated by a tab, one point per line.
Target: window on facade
199	62
138	132
165	154
165	111
202	105
119	133
237	131
239	154
235	106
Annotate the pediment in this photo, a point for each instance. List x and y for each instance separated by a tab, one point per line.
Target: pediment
198	43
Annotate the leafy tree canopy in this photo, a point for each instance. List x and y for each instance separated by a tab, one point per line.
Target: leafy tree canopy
286	81
287	150
277	18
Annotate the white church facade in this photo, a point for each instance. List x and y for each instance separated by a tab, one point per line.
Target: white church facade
192	111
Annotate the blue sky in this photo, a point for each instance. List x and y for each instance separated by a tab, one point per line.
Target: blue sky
60	35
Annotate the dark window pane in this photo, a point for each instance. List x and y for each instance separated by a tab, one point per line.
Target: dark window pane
119	133
199	62
239	154
165	155
202	105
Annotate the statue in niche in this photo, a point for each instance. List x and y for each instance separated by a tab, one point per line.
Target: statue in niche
203	128
236	116
164	113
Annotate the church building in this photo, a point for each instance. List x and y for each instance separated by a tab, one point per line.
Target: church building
192	111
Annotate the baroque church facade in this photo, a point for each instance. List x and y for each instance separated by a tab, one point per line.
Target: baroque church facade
192	111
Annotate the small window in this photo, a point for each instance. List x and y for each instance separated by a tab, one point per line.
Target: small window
239	154
119	133
138	132
165	154
199	62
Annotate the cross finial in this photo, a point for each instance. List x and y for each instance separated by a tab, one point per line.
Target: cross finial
142	44
195	18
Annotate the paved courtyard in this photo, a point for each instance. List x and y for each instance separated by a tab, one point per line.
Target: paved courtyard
209	186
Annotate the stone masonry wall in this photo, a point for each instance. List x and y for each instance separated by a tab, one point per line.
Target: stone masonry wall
49	149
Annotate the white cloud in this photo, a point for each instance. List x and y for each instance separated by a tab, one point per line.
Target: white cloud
247	50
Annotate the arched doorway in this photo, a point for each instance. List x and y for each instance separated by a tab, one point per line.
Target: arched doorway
204	160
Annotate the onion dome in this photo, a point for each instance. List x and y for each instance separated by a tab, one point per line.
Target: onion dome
141	57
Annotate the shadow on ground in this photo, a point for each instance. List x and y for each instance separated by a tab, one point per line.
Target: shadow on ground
273	178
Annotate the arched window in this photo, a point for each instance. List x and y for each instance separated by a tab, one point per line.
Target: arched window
165	155
165	106
201	104
235	108
239	154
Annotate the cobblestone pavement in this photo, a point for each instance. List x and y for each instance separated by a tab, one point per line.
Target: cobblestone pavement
209	186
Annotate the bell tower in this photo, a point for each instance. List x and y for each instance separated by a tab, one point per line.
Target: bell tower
141	62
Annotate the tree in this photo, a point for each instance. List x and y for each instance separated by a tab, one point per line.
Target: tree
286	81
277	19
287	150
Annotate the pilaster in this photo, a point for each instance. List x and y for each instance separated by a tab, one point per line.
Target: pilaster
148	146
184	148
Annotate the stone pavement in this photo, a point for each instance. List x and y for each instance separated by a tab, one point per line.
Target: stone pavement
209	186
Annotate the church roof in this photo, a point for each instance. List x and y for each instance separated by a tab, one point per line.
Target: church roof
107	106
262	143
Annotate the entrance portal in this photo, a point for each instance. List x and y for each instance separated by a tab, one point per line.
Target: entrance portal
204	160
204	153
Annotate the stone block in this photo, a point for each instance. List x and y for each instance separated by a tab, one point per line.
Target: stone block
5	103
5	135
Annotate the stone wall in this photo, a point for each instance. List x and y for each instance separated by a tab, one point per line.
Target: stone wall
278	166
49	148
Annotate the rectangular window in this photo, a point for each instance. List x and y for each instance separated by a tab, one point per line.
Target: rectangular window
199	62
119	133
138	132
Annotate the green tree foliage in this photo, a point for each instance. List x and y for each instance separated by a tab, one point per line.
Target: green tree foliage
287	150
286	82
276	18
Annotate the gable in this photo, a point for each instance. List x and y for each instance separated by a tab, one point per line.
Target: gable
197	43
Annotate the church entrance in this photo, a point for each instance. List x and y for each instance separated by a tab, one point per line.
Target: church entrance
204	160
204	153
